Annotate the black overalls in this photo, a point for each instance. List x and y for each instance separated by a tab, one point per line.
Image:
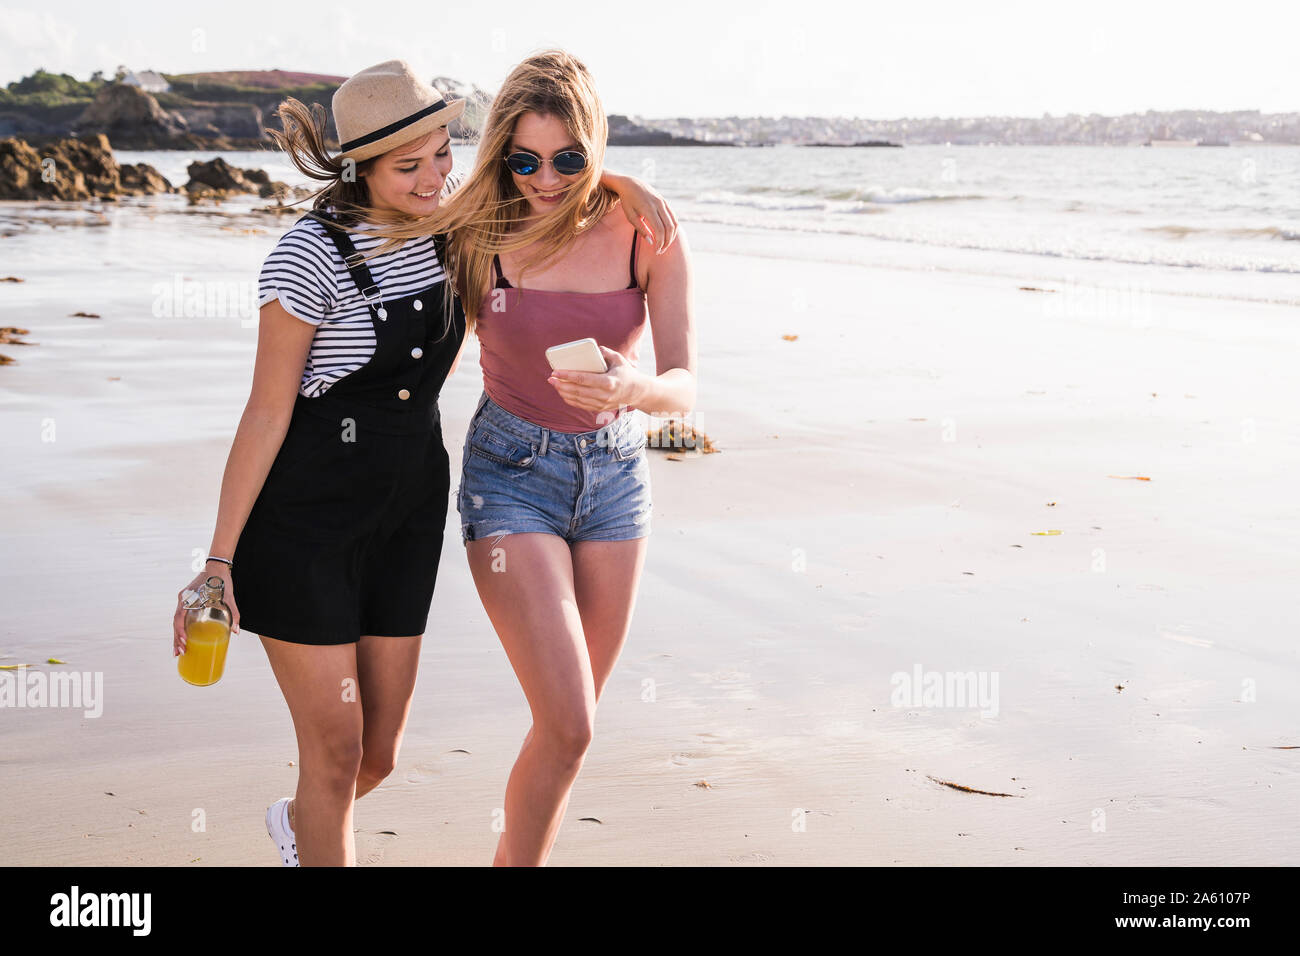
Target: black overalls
345	536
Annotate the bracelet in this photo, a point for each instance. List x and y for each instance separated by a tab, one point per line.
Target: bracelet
225	561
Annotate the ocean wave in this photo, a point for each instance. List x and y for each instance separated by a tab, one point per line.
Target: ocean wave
825	200
906	194
1161	254
1252	232
777	203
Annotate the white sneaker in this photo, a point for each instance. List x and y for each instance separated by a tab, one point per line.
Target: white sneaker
277	824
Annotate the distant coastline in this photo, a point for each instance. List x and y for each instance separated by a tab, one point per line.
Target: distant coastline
221	111
233	109
865	142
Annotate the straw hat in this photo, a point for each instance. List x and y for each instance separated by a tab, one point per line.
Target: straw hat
387	105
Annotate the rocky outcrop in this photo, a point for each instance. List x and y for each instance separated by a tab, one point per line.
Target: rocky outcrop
79	169
131	117
37	123
219	175
217	179
72	169
624	132
230	120
141	179
134	119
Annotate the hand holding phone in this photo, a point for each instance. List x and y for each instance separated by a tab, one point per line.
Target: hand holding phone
582	355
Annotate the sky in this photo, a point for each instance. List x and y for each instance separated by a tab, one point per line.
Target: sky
702	58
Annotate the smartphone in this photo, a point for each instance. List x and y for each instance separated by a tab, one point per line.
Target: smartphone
582	356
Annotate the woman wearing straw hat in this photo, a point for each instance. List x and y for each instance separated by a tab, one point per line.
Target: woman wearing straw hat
336	489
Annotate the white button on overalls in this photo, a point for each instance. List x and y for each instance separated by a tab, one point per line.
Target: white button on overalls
383	313
417	352
417	305
404	394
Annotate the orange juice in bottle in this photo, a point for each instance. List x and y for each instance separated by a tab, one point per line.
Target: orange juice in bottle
207	635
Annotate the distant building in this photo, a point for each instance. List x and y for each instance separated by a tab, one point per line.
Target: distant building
147	80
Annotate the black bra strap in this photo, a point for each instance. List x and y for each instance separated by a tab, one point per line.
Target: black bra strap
501	282
632	263
355	261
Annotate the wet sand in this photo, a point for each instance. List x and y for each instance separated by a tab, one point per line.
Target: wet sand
874	511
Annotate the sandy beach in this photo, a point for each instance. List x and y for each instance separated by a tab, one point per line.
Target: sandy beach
877	512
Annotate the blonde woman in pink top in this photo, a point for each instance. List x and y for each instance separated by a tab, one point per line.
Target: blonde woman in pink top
555	488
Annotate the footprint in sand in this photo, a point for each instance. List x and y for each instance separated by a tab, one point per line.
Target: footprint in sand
685	759
429	771
422	773
371	845
730	684
1161	803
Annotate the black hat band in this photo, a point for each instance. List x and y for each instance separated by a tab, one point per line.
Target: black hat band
392	128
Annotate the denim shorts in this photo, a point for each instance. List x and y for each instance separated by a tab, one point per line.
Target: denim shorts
518	477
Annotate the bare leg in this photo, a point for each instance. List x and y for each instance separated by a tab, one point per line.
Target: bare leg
562	663
386	667
606	575
499	857
530	600
327	718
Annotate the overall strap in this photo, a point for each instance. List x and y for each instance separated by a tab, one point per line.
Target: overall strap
353	260
631	266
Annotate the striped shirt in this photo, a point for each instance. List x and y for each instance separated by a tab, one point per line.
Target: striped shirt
306	273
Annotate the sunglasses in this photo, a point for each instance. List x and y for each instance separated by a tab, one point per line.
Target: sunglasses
568	163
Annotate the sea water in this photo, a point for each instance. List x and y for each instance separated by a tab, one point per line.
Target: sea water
1232	208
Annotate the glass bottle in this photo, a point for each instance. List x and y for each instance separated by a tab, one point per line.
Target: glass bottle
207	634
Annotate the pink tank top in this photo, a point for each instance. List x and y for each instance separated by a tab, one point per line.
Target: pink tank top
516	326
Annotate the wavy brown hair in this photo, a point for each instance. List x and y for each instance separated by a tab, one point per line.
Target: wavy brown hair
487	214
303	139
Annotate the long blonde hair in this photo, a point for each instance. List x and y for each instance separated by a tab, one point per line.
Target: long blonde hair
483	215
